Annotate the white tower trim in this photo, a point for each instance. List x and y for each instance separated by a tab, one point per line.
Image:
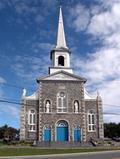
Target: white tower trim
60	55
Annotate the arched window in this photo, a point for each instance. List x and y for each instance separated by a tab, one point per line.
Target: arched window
60	61
76	106
62	123
91	121
61	102
32	120
47	106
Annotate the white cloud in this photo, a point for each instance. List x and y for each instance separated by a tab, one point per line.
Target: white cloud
46	47
25	9
2	5
1	92
113	40
110	92
7	109
30	67
10	110
109	3
2	81
102	67
79	17
106	23
112	118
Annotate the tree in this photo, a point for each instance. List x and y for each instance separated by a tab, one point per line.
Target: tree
8	133
2	131
112	130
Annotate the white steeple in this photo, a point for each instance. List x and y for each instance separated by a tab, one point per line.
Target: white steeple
61	42
60	54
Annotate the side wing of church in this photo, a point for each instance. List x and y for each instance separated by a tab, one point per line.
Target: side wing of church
61	109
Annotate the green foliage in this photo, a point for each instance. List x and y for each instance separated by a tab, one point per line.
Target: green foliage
2	131
8	133
25	143
111	130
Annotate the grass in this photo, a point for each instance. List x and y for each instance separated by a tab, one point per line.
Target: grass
13	143
5	151
2	144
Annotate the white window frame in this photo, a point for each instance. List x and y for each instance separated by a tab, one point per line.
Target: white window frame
32	119
91	121
62	108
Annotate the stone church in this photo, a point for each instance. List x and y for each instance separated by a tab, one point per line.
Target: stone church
61	110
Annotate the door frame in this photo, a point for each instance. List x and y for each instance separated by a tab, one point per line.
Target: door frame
73	133
44	133
56	128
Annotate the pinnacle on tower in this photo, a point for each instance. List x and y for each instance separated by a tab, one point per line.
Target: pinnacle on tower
61	42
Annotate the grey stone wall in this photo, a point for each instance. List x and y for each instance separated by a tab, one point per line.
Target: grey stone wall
100	118
49	90
23	120
74	91
95	105
40	110
91	105
25	134
51	120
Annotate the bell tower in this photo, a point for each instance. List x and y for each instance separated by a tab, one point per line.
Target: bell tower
60	54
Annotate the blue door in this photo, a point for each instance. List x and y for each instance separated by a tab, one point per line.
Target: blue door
47	134
77	134
62	133
62	130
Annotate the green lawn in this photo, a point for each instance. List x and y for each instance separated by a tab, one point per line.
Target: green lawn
37	151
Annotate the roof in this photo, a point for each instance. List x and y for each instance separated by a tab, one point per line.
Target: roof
61	76
34	96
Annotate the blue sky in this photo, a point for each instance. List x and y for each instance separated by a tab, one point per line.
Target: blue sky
28	33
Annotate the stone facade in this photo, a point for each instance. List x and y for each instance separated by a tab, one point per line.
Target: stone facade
49	91
61	109
74	89
25	134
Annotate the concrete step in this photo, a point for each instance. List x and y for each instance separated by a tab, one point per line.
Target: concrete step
61	144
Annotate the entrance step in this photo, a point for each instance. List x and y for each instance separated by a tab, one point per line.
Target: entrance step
65	144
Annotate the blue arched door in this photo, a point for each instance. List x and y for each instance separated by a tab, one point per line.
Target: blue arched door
47	134
77	134
62	131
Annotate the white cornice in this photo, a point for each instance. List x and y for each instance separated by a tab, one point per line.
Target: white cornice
88	96
34	96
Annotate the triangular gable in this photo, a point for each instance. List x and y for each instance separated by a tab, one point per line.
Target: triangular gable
62	75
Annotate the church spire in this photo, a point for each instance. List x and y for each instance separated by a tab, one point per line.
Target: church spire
60	54
61	42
